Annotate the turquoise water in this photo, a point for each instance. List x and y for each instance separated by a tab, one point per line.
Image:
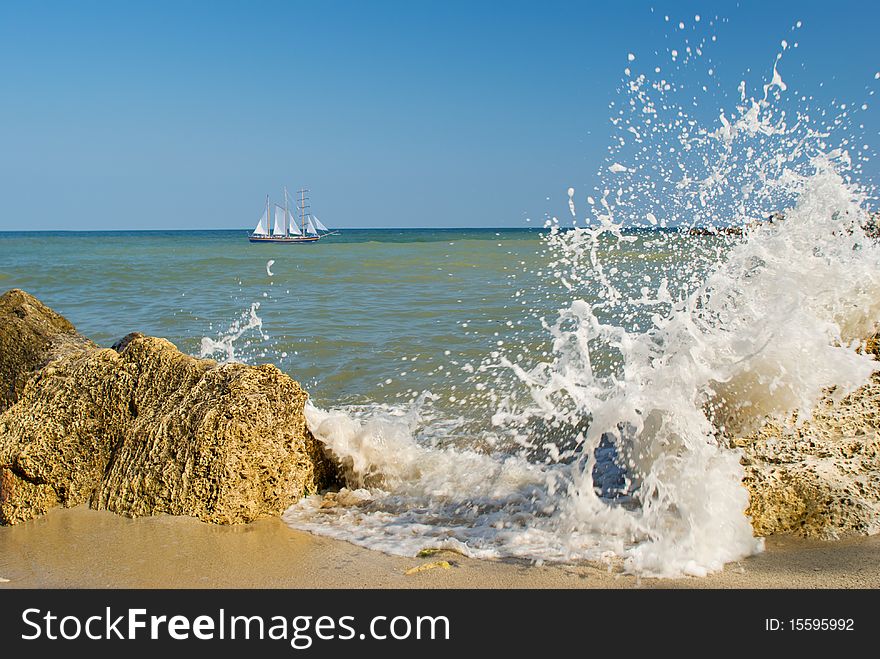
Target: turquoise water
343	316
338	315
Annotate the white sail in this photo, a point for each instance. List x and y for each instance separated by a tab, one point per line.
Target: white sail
319	225
262	228
293	228
310	228
280	222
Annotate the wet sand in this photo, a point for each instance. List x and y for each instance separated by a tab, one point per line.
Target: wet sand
83	548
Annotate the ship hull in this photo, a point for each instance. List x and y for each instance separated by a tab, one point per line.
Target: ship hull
283	239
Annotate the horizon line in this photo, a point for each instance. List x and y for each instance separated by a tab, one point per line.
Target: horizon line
246	229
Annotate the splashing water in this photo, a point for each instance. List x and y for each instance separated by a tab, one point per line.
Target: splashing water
224	344
613	443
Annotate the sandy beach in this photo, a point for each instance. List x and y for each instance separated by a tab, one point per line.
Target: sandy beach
83	548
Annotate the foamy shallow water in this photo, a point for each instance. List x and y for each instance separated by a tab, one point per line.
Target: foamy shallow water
622	456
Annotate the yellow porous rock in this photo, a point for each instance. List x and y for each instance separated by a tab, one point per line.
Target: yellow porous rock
143	429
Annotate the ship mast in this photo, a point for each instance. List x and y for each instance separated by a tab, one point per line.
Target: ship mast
302	209
268	219
286	215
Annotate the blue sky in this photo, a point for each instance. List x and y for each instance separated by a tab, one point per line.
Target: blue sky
151	115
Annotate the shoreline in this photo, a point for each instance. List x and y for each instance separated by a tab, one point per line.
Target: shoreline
83	548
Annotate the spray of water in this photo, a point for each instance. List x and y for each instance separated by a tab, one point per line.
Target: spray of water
755	281
224	345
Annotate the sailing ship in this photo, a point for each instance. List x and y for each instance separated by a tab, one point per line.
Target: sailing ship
286	230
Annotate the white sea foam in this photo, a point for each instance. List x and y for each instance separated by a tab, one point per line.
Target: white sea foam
765	333
224	344
614	444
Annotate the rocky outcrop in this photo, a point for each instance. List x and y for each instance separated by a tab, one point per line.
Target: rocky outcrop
142	428
31	335
819	478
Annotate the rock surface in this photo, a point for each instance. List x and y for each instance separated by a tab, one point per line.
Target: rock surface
31	335
144	429
819	478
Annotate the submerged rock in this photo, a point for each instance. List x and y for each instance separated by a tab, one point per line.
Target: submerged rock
819	478
145	429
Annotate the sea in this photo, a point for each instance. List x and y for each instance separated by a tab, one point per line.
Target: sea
366	316
563	393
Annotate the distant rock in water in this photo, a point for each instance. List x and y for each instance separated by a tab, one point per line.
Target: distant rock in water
144	429
773	218
819	478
